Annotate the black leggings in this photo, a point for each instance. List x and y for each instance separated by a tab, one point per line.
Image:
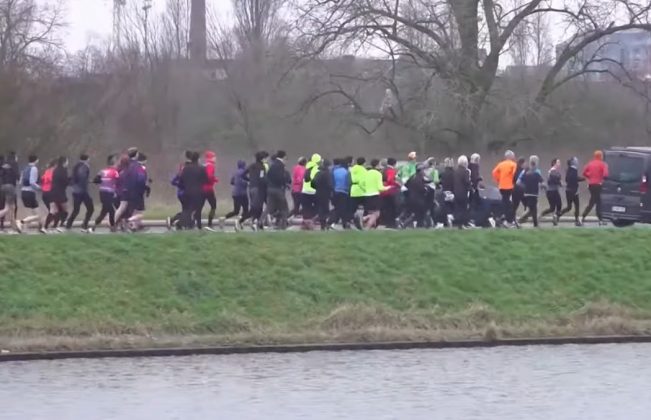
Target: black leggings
107	199
507	206
555	203
297	199
595	201
77	200
240	203
531	201
572	198
191	214
212	201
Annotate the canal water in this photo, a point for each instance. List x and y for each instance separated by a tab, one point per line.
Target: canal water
551	383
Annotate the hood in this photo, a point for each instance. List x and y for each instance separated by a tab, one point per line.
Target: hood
574	162
209	155
241	164
316	158
599	155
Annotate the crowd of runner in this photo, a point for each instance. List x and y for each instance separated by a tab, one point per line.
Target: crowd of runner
346	192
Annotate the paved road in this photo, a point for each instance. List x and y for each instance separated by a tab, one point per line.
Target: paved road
158	227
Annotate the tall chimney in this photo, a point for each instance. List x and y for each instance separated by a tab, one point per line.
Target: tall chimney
198	31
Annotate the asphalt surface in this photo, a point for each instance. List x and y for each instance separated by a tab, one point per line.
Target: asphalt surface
159	227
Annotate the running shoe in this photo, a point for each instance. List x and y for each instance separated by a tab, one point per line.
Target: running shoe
19	226
42	230
209	229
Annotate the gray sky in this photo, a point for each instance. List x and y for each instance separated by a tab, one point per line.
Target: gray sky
91	20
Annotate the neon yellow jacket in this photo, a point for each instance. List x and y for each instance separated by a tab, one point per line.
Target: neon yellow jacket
373	183
313	168
358	179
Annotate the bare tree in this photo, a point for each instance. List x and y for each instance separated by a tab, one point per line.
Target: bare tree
460	42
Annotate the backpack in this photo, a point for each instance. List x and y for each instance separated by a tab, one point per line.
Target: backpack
27	171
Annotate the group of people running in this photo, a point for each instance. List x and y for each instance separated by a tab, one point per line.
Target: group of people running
123	185
356	193
345	191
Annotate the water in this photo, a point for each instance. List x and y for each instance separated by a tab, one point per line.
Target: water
552	383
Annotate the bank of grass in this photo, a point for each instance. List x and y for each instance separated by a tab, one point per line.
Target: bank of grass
74	291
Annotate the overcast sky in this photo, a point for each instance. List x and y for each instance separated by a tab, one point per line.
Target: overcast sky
92	19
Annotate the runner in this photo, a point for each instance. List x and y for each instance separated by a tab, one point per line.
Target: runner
140	191
309	193
518	189
210	159
193	178
107	180
503	174
126	186
416	204
257	176
595	172
357	191
46	188
80	180
373	186
298	173
29	186
176	180
323	185
572	180
391	195
554	184
239	193
341	193
8	187
462	189
447	185
531	180
278	180
59	204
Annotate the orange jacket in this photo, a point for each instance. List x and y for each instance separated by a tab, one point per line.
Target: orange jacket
504	173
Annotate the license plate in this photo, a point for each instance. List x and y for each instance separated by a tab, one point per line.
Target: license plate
618	209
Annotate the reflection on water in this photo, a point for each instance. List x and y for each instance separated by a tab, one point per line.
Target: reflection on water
551	383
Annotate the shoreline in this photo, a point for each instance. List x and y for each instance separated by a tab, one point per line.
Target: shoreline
329	347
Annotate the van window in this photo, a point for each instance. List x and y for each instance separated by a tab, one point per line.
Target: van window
624	168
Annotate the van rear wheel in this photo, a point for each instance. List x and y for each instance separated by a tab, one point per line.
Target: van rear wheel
623	223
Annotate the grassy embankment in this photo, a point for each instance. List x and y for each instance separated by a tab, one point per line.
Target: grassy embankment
75	291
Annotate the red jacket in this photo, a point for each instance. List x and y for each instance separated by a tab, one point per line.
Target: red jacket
212	179
595	172
298	175
390	182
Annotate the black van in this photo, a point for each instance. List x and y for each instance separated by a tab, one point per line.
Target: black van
625	198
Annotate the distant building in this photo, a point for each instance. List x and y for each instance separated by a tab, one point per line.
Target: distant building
619	53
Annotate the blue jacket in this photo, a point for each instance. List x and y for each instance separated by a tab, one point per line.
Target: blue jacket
239	180
341	180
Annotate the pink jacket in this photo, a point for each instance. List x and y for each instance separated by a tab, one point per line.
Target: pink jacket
298	175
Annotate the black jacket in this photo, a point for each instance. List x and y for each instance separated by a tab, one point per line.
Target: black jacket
447	179
60	181
278	177
192	178
322	183
7	174
572	179
475	176
256	173
417	186
462	184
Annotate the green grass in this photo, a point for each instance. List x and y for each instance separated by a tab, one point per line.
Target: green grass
293	287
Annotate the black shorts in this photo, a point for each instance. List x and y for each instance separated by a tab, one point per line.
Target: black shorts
372	203
137	203
47	198
29	199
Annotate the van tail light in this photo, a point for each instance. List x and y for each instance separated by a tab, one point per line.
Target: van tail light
644	187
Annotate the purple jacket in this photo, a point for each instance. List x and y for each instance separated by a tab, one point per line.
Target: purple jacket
239	181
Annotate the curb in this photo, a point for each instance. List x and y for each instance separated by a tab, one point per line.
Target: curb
304	348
